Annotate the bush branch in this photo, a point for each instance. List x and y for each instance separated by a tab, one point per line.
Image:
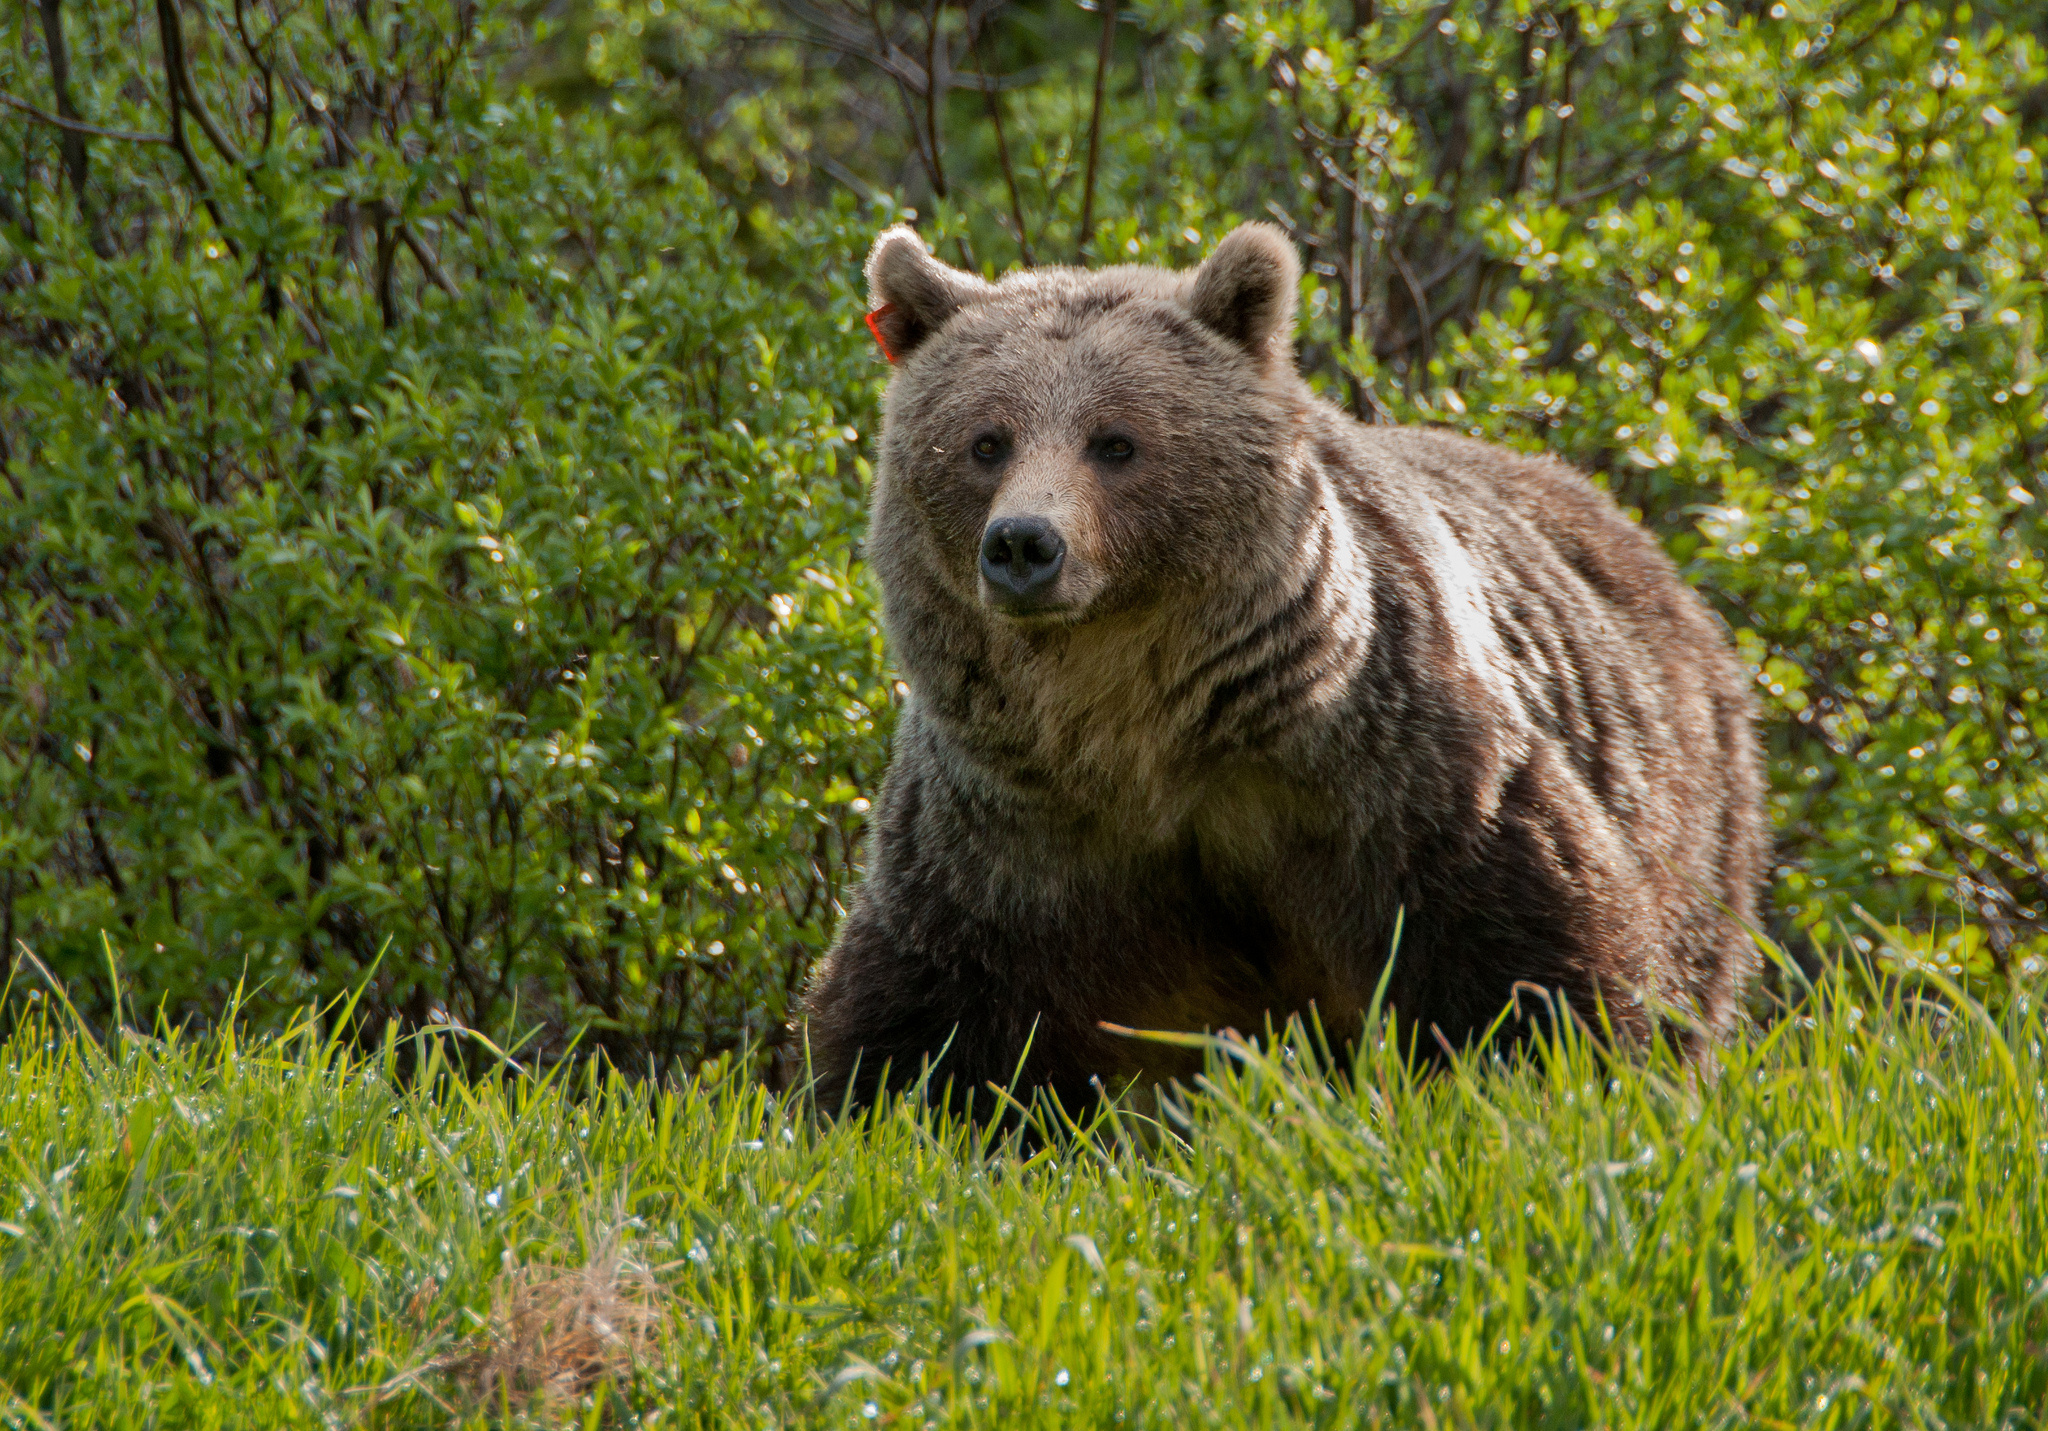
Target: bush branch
58	121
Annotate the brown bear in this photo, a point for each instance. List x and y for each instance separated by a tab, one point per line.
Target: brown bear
1210	683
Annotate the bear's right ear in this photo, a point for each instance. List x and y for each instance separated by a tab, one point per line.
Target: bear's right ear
912	293
1245	291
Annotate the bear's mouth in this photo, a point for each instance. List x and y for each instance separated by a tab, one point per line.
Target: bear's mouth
1029	611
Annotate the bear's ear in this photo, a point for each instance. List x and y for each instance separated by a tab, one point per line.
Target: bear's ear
1245	291
912	293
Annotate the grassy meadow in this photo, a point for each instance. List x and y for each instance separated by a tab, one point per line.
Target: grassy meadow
1846	1227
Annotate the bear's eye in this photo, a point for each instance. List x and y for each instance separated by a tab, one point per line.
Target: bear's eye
1116	449
988	447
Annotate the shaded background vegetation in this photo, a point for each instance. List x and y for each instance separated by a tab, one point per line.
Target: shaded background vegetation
432	433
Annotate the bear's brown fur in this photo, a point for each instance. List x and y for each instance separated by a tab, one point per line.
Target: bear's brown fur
1289	676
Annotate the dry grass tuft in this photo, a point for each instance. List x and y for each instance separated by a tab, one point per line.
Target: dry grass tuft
554	1333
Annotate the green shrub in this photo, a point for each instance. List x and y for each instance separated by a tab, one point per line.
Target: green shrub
425	527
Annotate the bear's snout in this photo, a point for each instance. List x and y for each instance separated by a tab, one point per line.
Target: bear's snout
1021	558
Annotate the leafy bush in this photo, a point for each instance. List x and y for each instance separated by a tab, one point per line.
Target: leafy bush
1773	272
428	525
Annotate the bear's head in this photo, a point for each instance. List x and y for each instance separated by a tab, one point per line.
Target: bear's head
1064	445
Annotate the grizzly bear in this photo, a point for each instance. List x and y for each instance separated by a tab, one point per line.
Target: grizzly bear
1210	684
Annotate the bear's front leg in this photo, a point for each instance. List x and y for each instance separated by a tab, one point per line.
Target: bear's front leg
878	1022
995	933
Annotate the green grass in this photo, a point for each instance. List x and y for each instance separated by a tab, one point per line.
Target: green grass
1847	1227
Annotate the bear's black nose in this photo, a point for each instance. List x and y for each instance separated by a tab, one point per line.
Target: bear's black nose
1021	557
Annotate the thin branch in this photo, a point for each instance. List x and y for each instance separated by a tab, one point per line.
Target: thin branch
1422	319
995	117
1305	238
181	80
1600	191
845	176
57	121
2005	857
73	144
105	858
387	297
931	96
171	41
427	261
1849	51
76	162
917	137
1455	262
906	69
1566	108
1423	31
264	68
1350	251
1085	234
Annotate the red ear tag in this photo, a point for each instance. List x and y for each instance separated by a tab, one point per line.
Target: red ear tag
876	328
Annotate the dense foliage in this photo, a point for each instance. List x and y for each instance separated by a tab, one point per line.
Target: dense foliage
1847	1228
430	435
424	526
